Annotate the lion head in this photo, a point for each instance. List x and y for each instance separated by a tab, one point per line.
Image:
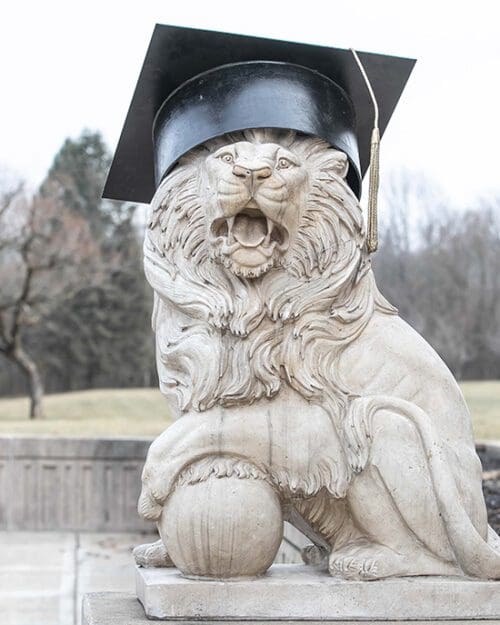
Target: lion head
247	208
255	250
257	192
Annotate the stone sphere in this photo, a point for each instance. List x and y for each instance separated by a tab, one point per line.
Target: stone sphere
222	527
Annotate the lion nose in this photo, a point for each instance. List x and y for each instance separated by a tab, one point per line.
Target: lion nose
259	173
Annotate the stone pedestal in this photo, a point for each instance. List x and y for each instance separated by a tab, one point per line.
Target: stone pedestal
114	608
299	593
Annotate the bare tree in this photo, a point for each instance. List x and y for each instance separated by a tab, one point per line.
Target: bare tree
46	253
440	265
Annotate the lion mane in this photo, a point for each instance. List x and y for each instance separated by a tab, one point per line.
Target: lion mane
226	339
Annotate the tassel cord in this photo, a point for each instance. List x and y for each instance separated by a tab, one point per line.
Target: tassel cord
372	234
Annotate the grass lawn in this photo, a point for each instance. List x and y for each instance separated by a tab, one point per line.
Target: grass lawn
143	412
483	399
95	413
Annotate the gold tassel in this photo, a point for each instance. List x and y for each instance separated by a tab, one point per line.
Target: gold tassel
372	232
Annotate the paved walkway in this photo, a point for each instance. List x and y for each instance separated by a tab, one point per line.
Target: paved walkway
43	575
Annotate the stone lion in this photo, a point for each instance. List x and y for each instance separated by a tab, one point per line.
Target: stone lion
289	367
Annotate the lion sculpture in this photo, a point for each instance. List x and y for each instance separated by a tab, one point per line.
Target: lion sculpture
291	370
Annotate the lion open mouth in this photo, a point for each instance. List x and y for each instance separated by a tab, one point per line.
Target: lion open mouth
250	239
250	228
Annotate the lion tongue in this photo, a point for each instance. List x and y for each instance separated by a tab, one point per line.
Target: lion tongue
249	231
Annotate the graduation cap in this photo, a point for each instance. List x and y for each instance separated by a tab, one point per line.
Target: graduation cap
196	85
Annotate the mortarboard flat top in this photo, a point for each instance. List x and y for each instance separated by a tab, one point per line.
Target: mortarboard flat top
176	55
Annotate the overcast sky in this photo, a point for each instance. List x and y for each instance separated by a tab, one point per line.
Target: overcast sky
69	65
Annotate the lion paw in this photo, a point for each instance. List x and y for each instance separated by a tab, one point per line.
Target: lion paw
354	568
152	555
365	562
314	555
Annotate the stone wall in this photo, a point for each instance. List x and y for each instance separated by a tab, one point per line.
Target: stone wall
71	484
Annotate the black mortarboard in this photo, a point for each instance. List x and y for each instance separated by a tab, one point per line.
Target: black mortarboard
196	85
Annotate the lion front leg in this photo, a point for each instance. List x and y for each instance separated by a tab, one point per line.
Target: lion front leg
299	455
241	463
181	466
190	439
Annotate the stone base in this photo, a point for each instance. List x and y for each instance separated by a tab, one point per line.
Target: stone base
116	608
298	593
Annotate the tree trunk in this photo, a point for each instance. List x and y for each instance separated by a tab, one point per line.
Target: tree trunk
35	381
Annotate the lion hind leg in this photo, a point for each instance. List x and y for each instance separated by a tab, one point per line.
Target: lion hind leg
475	555
393	499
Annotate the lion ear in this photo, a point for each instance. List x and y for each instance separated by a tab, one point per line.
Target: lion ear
339	163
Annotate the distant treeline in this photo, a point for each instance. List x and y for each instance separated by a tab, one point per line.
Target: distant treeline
75	307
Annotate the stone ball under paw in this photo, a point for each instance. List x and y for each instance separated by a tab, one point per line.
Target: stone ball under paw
222	527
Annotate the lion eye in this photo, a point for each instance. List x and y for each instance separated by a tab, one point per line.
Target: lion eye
227	157
284	163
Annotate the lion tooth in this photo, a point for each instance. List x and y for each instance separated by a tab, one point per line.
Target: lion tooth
230	223
270	226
